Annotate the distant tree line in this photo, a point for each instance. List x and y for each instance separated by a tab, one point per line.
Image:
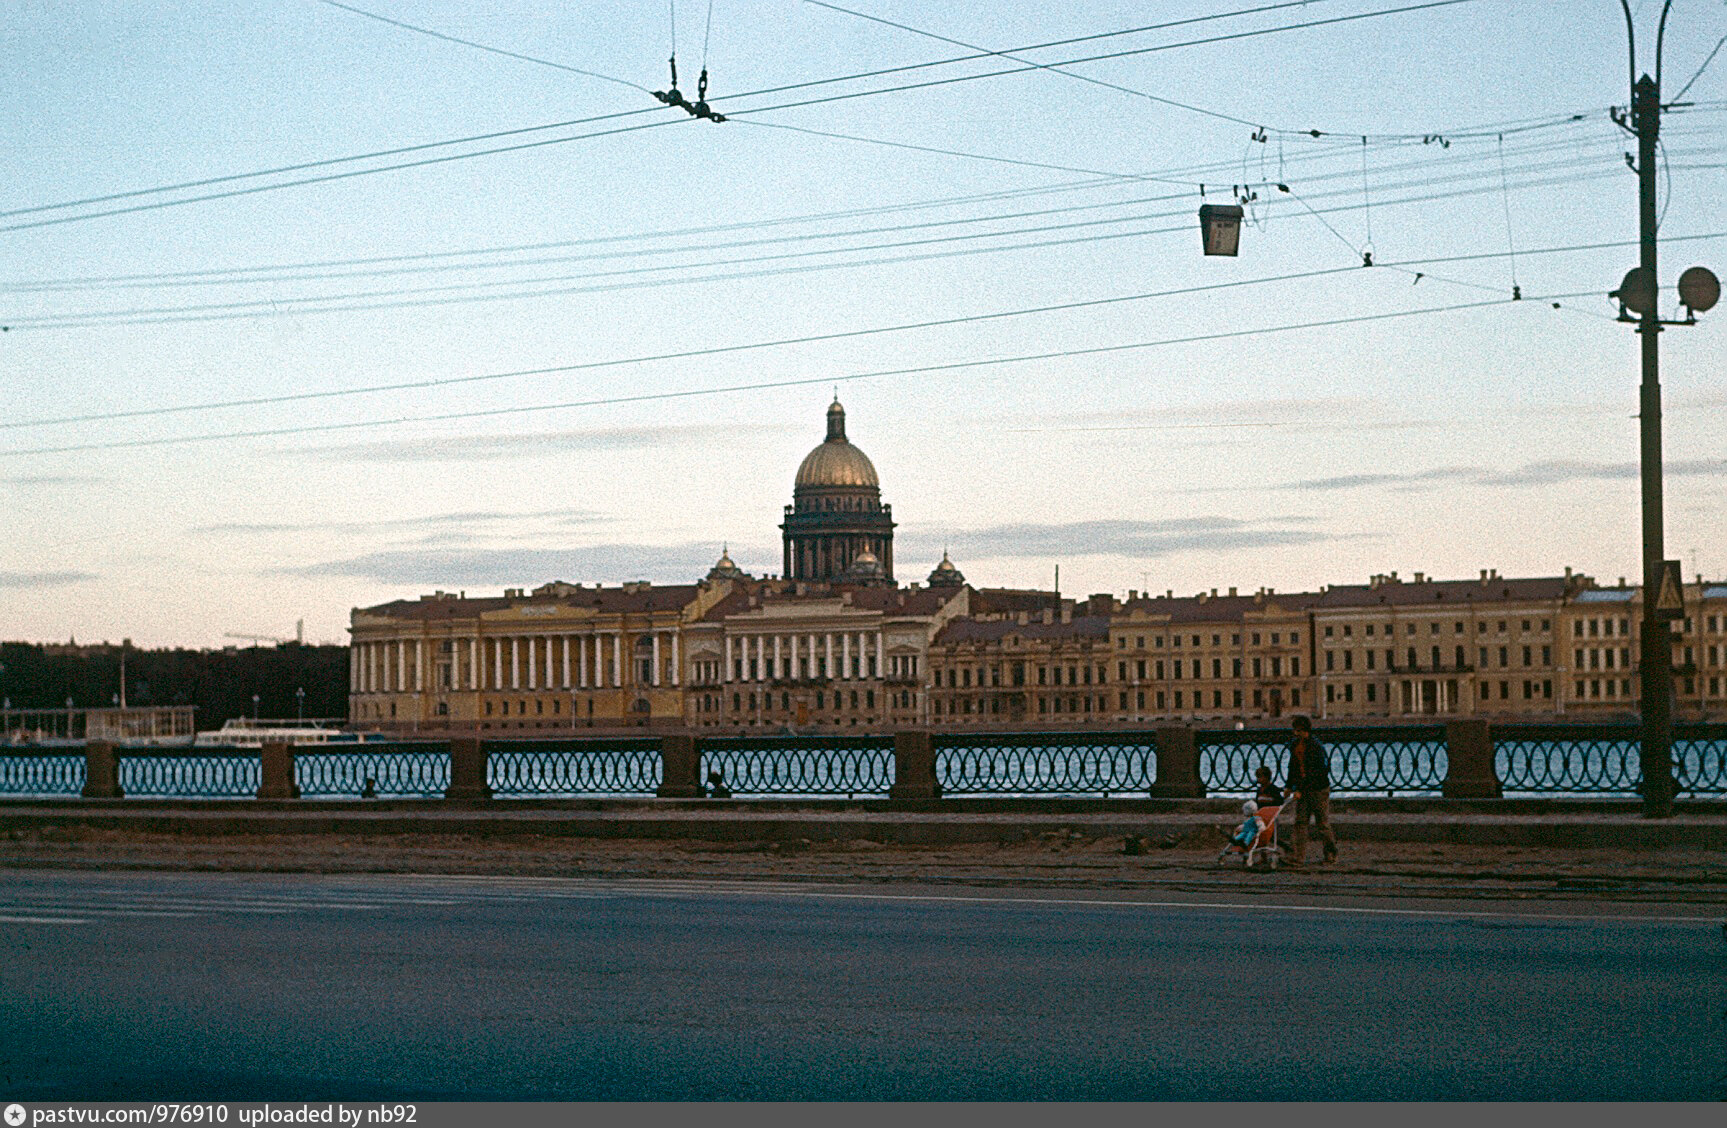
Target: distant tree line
220	683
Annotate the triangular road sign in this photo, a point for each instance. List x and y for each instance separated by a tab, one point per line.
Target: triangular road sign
1670	600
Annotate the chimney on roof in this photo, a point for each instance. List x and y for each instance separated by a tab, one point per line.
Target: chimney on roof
1169	593
1568	571
1621	581
1214	593
1132	594
1484	575
1202	597
1231	591
1420	578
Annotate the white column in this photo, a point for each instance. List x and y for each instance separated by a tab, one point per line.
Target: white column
419	665
582	661
551	670
727	674
675	666
497	645
474	662
880	661
618	659
566	661
515	662
655	680
533	666
846	655
778	669
401	664
354	668
761	671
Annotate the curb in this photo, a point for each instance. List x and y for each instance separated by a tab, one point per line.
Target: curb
906	828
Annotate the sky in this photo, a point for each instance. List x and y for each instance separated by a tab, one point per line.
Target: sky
600	355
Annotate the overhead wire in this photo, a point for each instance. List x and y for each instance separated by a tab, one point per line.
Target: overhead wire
278	276
1106	180
316	303
645	397
349	302
485	47
783	342
227	194
1052	68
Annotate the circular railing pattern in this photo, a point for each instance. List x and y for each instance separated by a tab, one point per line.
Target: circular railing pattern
223	775
818	766
393	771
591	768
1409	762
1057	764
1537	759
1700	764
58	775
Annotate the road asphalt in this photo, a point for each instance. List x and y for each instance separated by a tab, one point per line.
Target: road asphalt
289	987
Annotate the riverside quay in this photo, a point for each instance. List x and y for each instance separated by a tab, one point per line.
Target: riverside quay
835	644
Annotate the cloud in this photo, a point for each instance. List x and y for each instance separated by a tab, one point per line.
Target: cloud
530	567
440	523
42	579
1530	475
1138	539
32	481
485	448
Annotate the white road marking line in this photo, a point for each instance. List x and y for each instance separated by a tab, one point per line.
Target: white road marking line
677	888
40	920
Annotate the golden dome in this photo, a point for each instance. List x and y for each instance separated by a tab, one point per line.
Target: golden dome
836	462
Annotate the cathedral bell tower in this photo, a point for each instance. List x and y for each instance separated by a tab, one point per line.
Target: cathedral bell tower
836	528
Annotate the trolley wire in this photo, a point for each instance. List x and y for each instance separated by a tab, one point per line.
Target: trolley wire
751	346
522	146
646	397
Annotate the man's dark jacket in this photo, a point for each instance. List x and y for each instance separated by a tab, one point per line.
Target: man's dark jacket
1309	766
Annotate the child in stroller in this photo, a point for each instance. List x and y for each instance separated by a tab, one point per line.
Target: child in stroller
1246	834
1256	838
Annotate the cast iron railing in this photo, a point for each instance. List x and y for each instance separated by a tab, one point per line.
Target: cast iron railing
163	774
1408	760
565	768
1527	759
418	770
34	774
1099	764
810	765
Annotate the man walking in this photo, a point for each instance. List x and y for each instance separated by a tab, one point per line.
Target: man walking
1309	777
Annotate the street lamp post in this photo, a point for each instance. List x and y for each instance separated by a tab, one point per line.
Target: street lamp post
1638	294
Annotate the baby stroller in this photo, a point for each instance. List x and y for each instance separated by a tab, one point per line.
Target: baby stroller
1264	849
